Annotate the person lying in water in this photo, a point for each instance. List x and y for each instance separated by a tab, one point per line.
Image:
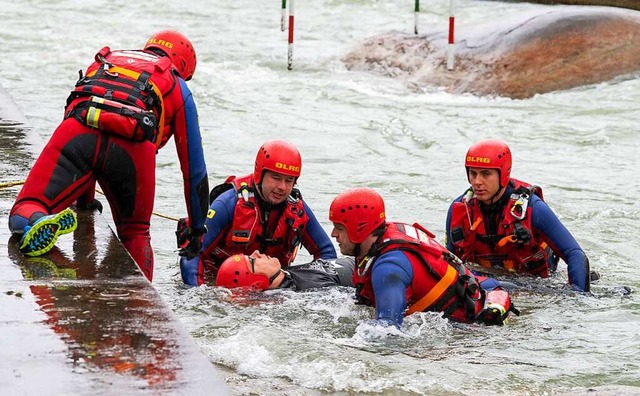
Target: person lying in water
261	272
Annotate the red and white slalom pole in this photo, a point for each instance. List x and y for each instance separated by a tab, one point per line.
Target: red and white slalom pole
283	16
451	47
290	47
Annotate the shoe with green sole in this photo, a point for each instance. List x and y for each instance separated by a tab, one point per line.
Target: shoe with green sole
39	238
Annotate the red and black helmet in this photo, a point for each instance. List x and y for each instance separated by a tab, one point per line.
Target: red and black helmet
178	48
277	156
360	210
492	154
235	272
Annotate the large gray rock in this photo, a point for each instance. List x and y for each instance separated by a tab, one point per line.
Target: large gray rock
541	51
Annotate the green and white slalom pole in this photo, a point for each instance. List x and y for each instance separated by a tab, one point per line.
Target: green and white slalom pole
290	48
416	13
283	16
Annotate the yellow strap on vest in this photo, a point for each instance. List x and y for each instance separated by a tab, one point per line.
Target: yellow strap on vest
135	75
93	114
435	293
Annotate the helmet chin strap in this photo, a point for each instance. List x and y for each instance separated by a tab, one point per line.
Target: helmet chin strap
356	250
501	188
259	190
494	198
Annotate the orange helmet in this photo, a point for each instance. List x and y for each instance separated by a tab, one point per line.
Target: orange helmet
178	48
492	154
277	156
234	272
360	210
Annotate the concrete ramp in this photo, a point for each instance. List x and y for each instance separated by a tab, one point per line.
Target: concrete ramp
516	56
82	319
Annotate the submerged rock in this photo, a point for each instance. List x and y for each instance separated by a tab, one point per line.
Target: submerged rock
554	48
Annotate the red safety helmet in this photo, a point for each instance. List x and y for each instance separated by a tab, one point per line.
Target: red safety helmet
492	154
178	48
235	272
277	156
360	210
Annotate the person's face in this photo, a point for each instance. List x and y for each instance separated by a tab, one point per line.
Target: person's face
485	183
276	187
347	247
263	264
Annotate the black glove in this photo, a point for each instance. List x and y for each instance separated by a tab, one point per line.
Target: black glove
182	232
193	239
95	205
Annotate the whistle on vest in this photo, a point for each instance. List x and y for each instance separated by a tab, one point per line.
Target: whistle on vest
244	191
467	196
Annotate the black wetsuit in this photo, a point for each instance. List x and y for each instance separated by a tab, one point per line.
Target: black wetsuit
319	273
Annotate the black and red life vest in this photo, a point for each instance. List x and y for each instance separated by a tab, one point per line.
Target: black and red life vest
279	236
440	282
513	247
123	93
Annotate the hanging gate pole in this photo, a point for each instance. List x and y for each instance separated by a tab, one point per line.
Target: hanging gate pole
416	13
283	16
451	47
290	47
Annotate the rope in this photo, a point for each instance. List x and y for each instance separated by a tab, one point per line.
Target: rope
11	184
21	182
153	213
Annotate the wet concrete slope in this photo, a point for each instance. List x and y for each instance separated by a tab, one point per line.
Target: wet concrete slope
82	319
